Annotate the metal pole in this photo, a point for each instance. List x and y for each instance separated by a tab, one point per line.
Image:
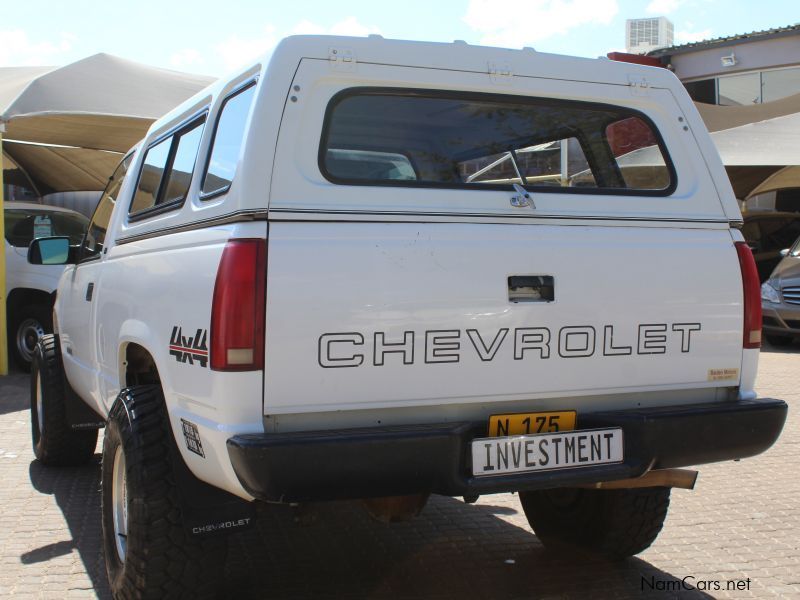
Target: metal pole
3	332
564	163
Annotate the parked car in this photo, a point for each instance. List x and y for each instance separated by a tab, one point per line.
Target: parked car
347	274
30	288
767	233
780	297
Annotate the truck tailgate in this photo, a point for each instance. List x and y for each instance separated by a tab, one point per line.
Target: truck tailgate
370	315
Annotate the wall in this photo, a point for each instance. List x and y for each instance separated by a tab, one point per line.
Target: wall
776	52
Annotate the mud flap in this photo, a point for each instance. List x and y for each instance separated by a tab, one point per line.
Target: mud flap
207	510
78	414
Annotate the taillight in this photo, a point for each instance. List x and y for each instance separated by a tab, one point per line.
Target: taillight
752	296
238	311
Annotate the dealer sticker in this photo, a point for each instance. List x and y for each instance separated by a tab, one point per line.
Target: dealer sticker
723	374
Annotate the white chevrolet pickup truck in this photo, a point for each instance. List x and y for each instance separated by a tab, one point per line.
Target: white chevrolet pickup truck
376	269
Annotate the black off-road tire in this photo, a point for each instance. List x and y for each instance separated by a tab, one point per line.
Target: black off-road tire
54	441
26	322
615	524
779	341
162	560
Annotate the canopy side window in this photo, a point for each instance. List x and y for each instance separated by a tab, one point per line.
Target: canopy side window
167	171
226	143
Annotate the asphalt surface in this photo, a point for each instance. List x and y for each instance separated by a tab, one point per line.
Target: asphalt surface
737	535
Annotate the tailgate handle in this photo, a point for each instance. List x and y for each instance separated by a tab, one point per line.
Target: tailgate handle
531	288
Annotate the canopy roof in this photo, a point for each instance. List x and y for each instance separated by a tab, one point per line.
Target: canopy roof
88	112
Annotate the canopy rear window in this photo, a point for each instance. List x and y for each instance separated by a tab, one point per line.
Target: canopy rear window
478	141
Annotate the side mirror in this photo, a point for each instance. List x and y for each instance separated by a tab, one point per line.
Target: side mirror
785	252
49	251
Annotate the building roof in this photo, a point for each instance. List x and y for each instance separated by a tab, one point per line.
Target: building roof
728	40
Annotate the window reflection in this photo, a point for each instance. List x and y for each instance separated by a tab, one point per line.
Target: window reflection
746	88
738	90
780	84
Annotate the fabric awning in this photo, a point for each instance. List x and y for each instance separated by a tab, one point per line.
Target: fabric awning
82	115
718	117
101	102
765	143
788	177
63	169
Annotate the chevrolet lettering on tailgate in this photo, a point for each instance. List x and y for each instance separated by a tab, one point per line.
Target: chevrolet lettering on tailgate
336	350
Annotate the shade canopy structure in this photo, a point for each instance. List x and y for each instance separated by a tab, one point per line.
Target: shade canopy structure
745	179
770	142
717	117
65	126
788	177
102	102
61	168
755	141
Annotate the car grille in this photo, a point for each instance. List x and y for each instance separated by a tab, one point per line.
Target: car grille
791	295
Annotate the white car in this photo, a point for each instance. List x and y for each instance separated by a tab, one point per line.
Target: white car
30	288
379	269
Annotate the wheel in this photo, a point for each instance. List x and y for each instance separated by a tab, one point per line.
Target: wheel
148	552
612	523
28	325
779	340
54	442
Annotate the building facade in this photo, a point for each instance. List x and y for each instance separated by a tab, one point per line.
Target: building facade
751	68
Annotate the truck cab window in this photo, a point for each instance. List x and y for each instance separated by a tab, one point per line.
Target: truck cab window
96	234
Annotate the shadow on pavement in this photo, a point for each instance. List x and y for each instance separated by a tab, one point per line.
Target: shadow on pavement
793	348
336	550
452	550
77	492
16	393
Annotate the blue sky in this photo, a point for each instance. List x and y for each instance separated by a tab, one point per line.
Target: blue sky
215	37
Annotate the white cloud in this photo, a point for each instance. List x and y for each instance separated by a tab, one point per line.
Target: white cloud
348	26
663	7
17	49
236	51
517	23
187	57
687	37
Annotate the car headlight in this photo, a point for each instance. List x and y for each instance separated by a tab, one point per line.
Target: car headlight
769	293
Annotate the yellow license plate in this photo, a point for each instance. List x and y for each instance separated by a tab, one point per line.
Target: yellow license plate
527	423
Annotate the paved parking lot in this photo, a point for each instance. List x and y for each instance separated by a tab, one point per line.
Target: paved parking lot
740	527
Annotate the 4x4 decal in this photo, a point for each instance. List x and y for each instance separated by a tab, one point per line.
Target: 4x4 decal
189	349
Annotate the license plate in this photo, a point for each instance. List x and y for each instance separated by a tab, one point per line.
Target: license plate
527	423
546	451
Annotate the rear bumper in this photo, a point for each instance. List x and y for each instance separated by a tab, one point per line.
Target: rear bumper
393	461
